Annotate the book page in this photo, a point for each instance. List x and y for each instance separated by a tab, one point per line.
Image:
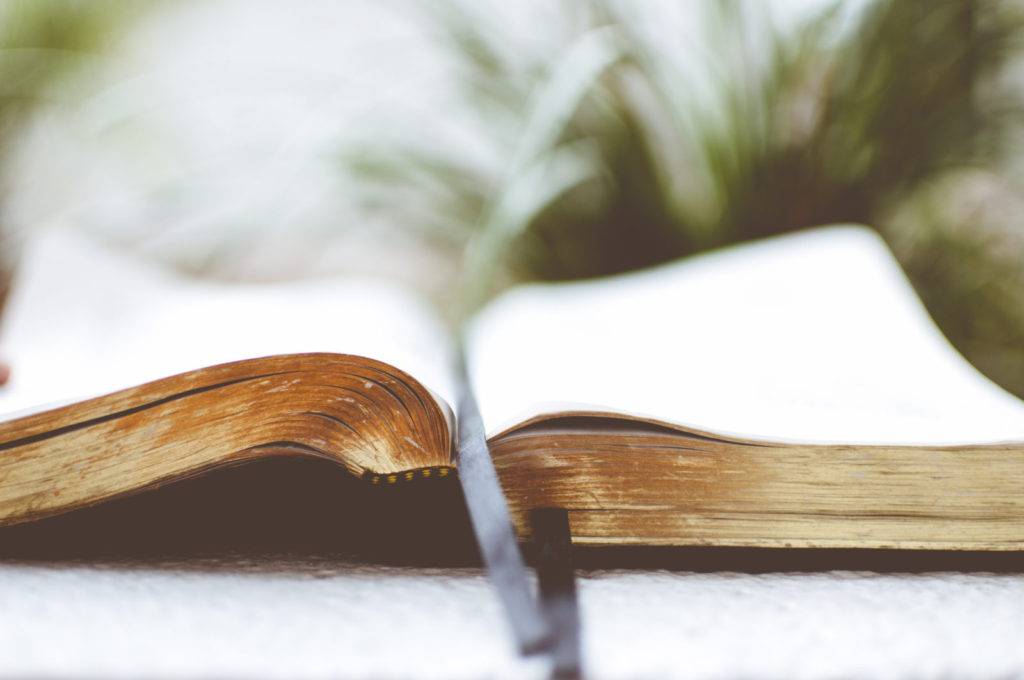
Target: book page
811	337
85	320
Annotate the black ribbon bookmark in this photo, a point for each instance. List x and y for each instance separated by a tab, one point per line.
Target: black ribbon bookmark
492	525
553	544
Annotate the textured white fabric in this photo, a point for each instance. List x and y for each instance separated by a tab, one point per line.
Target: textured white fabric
330	619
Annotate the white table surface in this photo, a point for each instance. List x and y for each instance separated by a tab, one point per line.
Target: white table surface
288	617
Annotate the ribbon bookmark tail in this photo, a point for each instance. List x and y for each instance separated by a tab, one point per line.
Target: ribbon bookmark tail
492	525
552	541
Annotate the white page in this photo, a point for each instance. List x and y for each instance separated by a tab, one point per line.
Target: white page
816	336
85	320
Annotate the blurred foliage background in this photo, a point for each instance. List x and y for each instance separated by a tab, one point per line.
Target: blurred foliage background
42	43
609	155
47	48
606	137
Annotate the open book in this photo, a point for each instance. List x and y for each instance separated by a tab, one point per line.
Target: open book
791	392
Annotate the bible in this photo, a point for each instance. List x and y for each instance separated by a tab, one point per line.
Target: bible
787	393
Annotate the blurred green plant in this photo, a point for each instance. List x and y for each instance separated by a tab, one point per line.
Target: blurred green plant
607	154
43	43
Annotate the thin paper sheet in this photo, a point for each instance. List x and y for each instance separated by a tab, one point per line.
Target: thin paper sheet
814	337
86	320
